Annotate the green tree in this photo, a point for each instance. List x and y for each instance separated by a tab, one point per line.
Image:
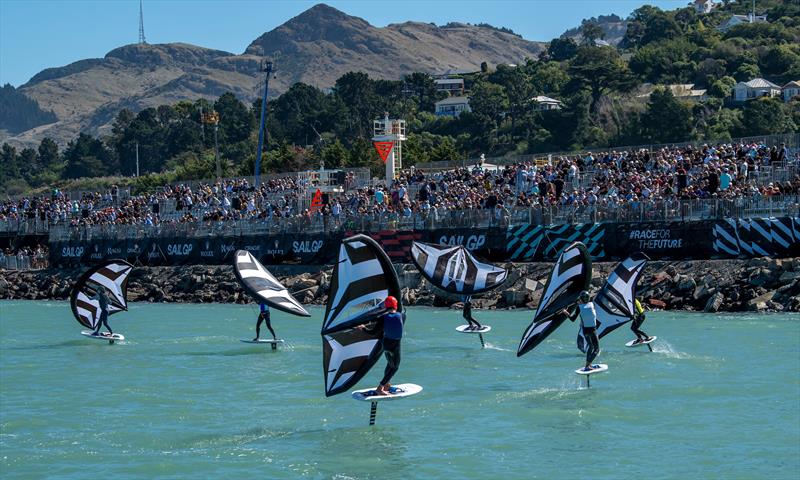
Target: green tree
600	70
667	119
766	115
334	154
591	31
561	49
235	120
86	156
445	151
423	88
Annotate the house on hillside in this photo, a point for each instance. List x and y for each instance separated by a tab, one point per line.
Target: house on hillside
684	91
755	88
452	107
453	86
704	6
791	90
542	103
740	19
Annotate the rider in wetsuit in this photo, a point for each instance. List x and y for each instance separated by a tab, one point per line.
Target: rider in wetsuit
392	334
263	316
467	313
638	319
589	325
102	300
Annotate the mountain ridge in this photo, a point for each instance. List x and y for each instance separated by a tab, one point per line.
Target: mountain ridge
316	47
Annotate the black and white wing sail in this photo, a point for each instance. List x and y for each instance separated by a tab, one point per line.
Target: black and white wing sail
111	275
362	279
455	270
263	286
571	274
614	302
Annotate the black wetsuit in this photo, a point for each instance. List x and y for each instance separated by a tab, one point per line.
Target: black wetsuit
102	300
467	312
638	320
264	316
392	334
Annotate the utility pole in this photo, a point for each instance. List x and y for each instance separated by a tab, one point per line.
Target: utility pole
262	131
137	159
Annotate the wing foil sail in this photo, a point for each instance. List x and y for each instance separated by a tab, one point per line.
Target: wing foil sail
455	270
362	279
260	284
571	274
614	302
111	275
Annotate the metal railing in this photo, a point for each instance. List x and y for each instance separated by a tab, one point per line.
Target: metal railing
23	262
644	211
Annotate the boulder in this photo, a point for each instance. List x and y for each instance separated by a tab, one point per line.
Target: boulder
759	303
514	298
714	303
686	283
789	276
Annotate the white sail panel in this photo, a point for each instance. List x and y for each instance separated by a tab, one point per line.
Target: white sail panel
263	286
455	270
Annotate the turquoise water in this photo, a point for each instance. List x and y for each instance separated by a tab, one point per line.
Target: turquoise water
183	398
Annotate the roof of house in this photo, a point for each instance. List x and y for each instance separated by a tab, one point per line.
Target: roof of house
758	83
449	81
793	84
453	101
543	99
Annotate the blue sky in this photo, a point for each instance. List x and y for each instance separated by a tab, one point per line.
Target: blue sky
37	34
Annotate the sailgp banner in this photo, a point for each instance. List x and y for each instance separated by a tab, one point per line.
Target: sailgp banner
723	238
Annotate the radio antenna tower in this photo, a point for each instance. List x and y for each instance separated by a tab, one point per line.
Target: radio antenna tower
141	25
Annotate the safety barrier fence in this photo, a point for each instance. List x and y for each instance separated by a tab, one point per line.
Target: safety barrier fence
643	211
23	262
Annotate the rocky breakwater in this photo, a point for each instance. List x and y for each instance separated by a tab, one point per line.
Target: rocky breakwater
756	285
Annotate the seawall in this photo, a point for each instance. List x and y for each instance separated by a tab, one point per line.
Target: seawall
760	284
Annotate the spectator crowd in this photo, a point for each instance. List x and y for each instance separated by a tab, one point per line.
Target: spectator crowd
609	184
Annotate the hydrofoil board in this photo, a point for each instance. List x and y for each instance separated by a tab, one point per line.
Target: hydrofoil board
637	343
602	367
263	340
467	329
104	336
396	392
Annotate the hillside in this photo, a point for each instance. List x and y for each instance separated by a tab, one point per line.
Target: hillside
316	47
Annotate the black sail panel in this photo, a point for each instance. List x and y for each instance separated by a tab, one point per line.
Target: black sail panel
455	270
571	274
362	279
260	284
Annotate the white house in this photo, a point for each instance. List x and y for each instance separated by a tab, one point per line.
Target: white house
453	86
704	6
684	91
740	19
755	88
791	90
452	107
545	103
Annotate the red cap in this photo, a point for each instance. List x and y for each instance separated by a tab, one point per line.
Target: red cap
390	302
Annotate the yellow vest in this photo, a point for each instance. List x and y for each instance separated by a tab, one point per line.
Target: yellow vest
638	306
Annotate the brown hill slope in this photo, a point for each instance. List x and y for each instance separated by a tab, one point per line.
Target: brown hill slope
316	47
